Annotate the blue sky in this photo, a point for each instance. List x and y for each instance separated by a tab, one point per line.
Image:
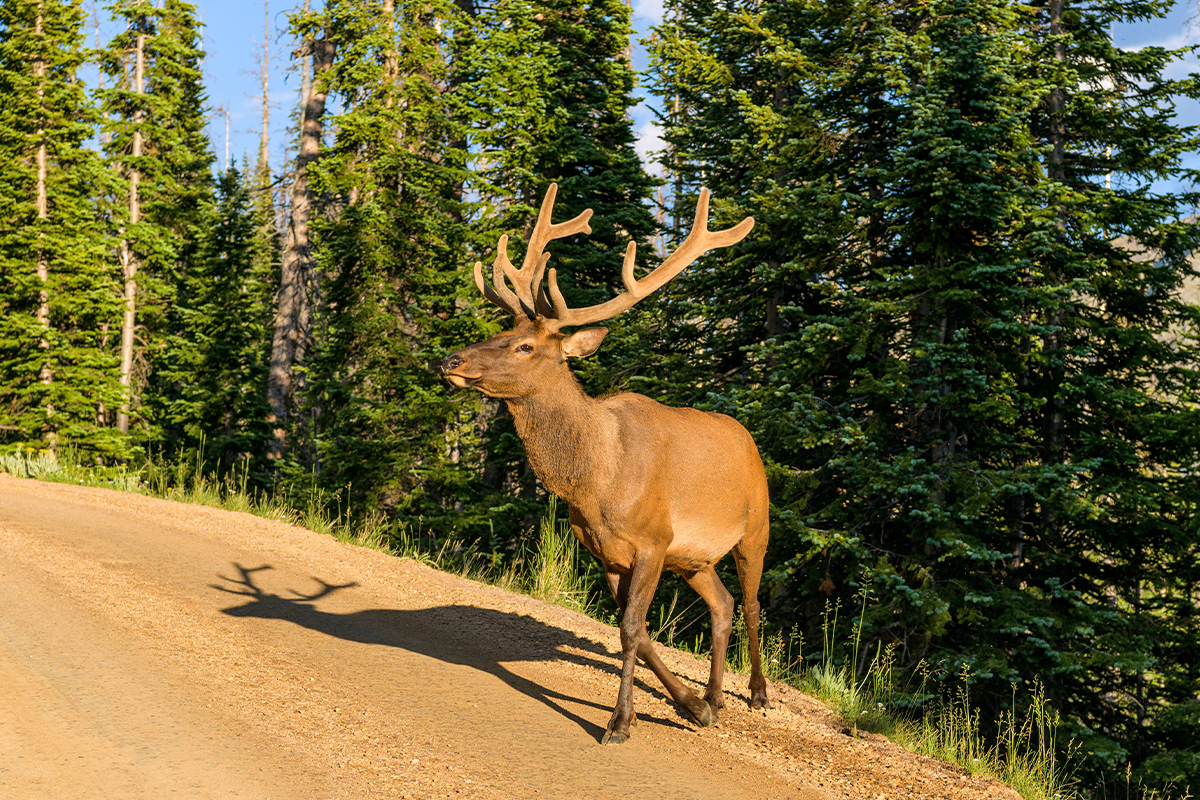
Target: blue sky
234	35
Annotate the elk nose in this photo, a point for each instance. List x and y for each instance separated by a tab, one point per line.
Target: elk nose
452	362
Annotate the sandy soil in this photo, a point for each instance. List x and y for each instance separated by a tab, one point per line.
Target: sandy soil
151	649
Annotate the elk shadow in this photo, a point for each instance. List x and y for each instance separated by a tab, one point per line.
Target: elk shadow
440	633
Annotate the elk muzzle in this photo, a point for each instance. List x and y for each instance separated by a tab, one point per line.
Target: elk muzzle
454	367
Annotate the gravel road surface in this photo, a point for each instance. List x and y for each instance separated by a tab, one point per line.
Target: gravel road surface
152	649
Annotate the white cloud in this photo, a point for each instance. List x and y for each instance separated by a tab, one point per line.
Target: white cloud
1176	29
649	144
649	10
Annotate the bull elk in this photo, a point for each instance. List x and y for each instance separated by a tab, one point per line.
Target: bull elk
649	487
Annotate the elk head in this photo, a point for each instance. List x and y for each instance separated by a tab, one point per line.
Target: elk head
533	355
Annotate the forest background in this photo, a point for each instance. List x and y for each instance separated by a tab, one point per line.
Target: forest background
963	331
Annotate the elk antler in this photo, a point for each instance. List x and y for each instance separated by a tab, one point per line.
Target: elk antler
529	299
699	240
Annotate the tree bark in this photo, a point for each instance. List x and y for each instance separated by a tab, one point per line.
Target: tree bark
391	65
293	312
129	259
1052	342
45	373
263	74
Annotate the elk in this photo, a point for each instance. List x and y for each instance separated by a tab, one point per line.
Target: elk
649	487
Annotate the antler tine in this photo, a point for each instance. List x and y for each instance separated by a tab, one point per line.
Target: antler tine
544	308
699	240
529	298
633	291
544	232
500	295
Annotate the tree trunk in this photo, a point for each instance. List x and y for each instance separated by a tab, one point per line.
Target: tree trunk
293	313
1052	342
45	374
129	260
264	73
391	64
934	324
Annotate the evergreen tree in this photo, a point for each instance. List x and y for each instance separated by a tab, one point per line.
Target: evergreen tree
390	249
155	137
220	350
965	390
58	303
1117	391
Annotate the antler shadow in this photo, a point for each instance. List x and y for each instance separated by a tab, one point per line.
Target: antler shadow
437	633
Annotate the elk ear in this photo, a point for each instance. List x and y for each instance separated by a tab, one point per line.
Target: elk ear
583	343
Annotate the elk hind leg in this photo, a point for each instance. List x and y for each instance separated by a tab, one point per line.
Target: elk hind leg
748	558
720	607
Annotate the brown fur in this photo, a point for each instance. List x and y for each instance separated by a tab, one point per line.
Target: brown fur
649	488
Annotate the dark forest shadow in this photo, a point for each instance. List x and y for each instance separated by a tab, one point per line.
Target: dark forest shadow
437	633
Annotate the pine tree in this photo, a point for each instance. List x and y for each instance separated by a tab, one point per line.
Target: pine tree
155	137
1118	390
58	307
220	350
390	251
968	396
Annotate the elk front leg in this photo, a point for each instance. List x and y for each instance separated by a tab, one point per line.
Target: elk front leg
698	709
637	589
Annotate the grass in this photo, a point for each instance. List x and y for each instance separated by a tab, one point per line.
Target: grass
1021	755
189	481
39	464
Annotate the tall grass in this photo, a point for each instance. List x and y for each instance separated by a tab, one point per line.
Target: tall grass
37	464
554	574
1020	752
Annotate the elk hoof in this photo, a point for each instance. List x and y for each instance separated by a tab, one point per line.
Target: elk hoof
614	737
759	699
706	716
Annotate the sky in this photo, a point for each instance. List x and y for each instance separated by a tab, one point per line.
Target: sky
233	37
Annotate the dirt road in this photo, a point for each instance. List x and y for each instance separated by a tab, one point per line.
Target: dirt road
150	649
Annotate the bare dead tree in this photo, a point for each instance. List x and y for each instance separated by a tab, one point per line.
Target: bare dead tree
41	200
293	311
129	259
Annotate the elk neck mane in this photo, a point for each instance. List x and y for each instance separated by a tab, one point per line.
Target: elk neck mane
563	430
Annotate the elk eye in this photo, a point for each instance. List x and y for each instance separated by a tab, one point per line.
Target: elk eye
524	348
